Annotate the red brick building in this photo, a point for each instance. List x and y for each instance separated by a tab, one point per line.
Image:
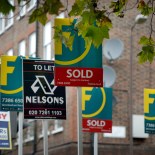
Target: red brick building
18	37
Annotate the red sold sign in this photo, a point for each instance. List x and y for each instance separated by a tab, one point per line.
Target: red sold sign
78	76
96	125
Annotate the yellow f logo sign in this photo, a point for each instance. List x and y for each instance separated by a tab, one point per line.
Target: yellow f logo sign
5	69
147	99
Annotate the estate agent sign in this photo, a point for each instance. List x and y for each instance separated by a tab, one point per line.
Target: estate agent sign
42	99
149	110
97	109
80	67
11	83
5	131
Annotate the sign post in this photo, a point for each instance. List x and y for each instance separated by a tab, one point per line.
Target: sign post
96	111
76	68
42	99
45	130
95	143
11	92
20	133
79	122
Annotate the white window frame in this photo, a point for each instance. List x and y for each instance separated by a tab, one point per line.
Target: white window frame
10	52
32	5
29	131
22	48
22	8
61	15
57	127
2	22
32	45
9	18
41	134
47	38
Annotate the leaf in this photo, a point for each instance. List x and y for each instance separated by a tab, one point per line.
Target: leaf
66	40
6	7
53	6
144	8
76	10
146	41
97	34
38	15
88	17
147	54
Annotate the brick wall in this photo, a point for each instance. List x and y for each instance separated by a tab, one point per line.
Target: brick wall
143	76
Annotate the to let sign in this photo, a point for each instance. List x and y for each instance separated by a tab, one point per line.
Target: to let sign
42	99
80	67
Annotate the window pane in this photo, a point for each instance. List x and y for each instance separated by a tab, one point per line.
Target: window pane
22	48
9	18
58	124
22	8
1	23
47	41
31	4
47	33
47	52
10	52
30	129
32	45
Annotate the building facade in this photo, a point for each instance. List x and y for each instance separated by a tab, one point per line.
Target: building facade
18	37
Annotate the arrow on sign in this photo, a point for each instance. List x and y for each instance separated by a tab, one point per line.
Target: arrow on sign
43	84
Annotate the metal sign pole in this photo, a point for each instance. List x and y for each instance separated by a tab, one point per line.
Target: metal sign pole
45	134
95	143
20	133
79	122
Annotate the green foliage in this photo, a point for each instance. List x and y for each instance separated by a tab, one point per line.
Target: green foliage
118	7
6	7
148	50
38	15
60	37
49	7
144	8
93	22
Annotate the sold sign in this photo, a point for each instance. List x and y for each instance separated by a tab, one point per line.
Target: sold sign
97	109
80	67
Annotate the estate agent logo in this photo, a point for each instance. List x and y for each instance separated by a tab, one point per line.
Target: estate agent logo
97	109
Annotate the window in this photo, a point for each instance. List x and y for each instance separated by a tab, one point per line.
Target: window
6	21
61	15
10	52
9	18
47	41
40	126
22	8
30	131
31	5
1	24
22	48
57	126
32	45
